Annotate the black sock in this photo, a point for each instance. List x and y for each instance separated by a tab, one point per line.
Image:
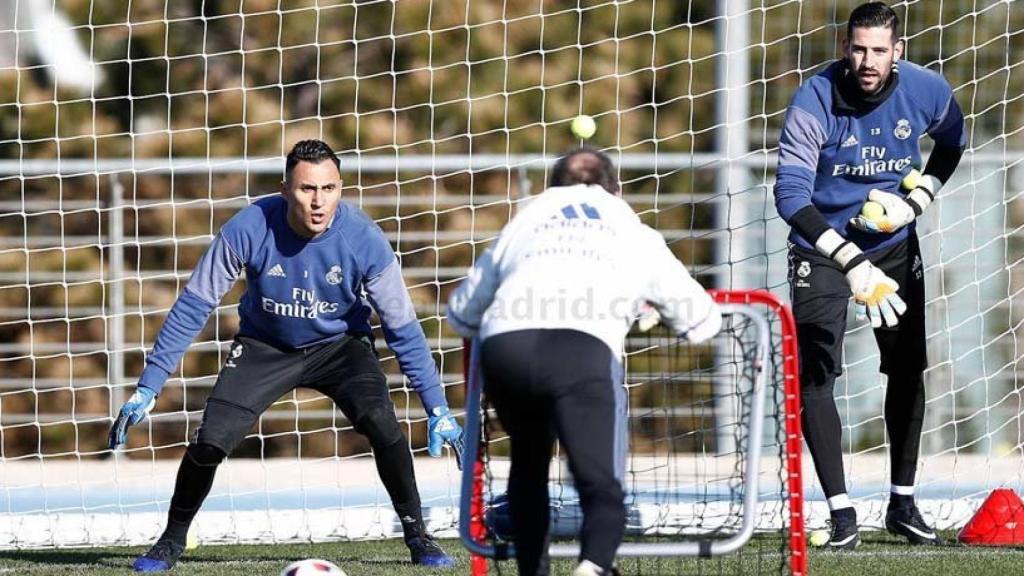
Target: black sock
394	465
412	526
844	515
823	432
904	418
190	490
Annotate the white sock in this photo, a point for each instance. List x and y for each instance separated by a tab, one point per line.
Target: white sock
588	568
838	502
902	490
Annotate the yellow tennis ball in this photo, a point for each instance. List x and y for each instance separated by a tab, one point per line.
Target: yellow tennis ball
911	180
583	126
819	538
872	210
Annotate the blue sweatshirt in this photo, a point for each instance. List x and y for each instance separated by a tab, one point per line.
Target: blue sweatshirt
300	292
831	156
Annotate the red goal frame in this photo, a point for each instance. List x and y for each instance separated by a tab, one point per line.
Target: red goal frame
782	317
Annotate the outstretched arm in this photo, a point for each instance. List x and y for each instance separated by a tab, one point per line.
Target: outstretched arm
213	276
390	298
402	332
467	304
682	303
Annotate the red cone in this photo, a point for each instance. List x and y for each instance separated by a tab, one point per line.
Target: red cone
999	521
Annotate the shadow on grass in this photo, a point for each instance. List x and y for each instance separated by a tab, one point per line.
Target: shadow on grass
103	557
288	559
881	538
383	553
389	558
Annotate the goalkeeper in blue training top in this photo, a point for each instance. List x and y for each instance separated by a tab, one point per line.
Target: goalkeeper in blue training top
307	259
851	134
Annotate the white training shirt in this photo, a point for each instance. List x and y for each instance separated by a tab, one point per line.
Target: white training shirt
578	258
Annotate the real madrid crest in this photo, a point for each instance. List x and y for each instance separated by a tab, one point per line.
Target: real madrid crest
236	352
804	270
334	276
903	129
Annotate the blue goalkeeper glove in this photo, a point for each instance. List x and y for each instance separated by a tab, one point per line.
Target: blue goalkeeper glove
134	411
443	428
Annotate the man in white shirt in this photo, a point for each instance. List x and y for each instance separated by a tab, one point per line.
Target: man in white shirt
551	303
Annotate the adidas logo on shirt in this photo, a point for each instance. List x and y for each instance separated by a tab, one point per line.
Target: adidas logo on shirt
277	271
851	141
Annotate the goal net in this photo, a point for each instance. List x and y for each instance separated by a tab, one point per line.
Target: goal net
714	450
131	131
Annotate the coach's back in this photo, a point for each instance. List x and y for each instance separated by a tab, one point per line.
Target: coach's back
576	257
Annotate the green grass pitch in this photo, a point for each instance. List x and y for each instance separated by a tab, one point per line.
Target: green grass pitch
878	554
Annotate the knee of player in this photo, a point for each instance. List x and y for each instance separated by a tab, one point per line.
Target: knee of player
614	497
380	426
203	454
611	500
225	425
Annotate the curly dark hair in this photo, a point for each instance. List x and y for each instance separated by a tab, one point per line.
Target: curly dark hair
315	151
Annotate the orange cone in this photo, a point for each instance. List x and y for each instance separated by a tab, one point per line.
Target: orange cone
999	521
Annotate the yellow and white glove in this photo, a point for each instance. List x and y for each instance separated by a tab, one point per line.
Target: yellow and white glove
898	214
874	295
921	188
899	210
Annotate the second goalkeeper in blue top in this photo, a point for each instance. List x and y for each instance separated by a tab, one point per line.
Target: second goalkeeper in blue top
308	259
851	135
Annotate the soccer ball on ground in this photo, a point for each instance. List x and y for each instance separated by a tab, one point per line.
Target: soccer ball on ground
312	567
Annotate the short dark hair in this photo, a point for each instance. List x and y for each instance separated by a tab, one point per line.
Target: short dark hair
585	166
873	15
314	151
